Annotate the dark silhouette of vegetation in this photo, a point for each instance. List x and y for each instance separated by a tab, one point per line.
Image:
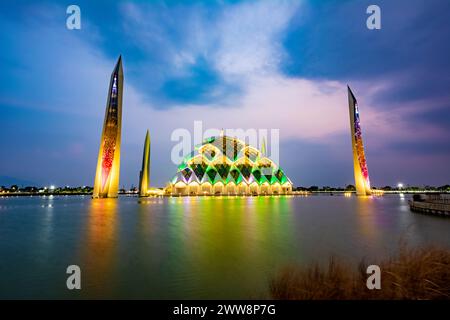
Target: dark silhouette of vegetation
350	187
412	274
34	190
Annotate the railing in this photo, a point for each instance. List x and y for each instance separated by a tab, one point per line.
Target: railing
430	206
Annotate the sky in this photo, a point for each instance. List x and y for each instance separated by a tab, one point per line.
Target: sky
230	64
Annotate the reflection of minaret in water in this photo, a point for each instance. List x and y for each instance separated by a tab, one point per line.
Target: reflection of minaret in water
144	174
106	182
362	182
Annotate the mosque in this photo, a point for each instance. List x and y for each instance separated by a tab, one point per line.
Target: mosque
220	165
225	165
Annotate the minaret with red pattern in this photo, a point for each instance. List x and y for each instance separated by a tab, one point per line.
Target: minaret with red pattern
106	184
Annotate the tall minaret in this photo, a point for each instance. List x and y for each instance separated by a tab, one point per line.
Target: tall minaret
144	175
106	184
362	182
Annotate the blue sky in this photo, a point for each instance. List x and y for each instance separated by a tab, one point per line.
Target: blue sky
231	64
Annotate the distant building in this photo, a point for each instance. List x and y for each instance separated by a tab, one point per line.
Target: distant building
106	182
144	175
225	165
361	171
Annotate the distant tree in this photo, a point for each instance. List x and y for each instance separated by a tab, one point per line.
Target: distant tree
350	187
87	189
30	189
313	188
387	188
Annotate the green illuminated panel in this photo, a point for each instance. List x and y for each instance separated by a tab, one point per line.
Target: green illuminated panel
236	164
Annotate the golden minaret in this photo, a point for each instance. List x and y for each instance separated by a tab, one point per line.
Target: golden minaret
106	184
362	182
144	175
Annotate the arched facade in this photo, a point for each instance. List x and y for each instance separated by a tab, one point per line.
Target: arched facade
227	166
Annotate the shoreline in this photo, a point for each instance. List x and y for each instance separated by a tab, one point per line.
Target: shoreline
294	193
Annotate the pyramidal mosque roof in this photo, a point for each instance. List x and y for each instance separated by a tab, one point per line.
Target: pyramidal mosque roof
227	159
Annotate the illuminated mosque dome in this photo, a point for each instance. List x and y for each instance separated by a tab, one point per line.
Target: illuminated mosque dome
225	165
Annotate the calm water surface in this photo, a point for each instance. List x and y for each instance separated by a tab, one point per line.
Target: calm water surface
192	247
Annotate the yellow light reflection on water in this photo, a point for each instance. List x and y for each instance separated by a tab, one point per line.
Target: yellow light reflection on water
99	250
367	217
211	233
